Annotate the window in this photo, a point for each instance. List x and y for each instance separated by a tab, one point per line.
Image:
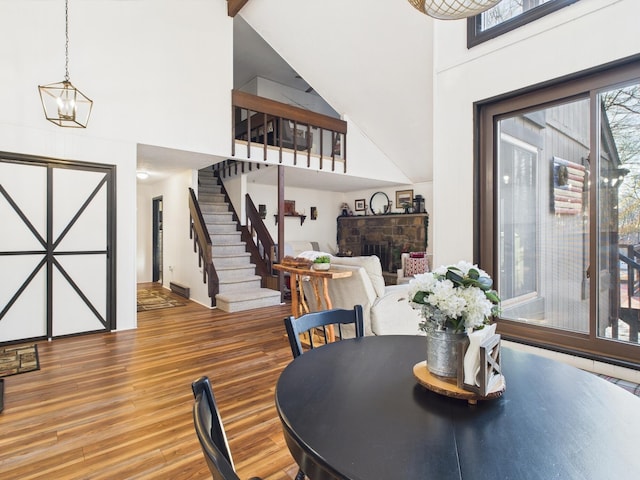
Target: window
518	199
558	176
509	15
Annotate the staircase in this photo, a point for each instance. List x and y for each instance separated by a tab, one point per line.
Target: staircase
239	286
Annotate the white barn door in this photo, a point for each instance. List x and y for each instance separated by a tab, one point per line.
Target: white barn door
56	248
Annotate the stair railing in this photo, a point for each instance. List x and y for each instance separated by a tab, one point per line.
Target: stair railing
267	122
231	168
202	245
260	236
262	269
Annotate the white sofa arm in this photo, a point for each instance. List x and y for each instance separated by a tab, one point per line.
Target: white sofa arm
391	314
293	248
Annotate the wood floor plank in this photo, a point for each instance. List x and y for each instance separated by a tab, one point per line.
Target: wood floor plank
118	405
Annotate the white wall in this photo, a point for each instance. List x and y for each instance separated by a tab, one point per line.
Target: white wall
166	84
371	61
144	237
322	230
291	96
580	36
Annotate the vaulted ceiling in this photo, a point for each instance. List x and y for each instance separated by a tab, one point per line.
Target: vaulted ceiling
371	61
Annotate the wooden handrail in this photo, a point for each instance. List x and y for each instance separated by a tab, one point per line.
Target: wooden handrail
234	6
202	245
278	109
263	125
263	269
260	234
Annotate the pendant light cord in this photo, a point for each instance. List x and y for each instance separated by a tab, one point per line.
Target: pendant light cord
66	44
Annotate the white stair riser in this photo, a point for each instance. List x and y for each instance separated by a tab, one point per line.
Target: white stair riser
247	304
207	177
217	250
227	275
210	198
218	228
208	190
205	180
239	286
232	261
218	217
224	238
214	208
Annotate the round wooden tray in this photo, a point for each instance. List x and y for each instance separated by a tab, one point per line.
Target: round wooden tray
449	387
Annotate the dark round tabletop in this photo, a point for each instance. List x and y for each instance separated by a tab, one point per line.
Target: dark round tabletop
353	410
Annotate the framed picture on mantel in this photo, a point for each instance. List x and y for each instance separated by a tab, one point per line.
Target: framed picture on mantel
361	205
404	198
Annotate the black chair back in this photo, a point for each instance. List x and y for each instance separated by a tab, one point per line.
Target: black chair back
305	323
210	431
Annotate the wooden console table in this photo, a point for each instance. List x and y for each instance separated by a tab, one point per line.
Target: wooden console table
319	280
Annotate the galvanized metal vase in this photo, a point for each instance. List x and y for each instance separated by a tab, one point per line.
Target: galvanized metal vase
442	352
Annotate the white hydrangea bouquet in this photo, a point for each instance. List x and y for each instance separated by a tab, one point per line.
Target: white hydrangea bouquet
455	298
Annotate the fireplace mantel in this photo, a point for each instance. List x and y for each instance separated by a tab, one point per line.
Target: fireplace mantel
384	235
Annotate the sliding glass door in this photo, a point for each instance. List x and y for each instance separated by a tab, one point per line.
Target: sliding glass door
559	172
619	213
543	221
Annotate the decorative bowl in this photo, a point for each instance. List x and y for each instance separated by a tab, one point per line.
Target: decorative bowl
321	266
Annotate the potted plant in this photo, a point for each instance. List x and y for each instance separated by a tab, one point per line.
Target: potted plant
323	262
453	301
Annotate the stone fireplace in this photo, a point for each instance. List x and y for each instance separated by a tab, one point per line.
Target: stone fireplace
386	236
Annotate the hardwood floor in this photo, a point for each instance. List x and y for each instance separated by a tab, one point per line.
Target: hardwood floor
118	405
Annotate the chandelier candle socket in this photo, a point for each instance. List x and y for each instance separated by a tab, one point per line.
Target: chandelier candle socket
453	9
64	104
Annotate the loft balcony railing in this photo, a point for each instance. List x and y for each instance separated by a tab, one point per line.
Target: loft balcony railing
270	124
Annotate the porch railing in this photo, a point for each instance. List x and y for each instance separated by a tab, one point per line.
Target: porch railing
268	123
631	258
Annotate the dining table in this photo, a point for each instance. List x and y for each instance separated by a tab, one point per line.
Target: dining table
354	410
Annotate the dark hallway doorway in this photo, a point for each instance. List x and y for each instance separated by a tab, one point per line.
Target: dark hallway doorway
157	239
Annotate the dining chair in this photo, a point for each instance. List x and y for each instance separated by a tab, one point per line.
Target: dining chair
305	324
210	432
315	320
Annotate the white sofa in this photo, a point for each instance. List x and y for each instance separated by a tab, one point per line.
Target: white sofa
293	248
386	308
